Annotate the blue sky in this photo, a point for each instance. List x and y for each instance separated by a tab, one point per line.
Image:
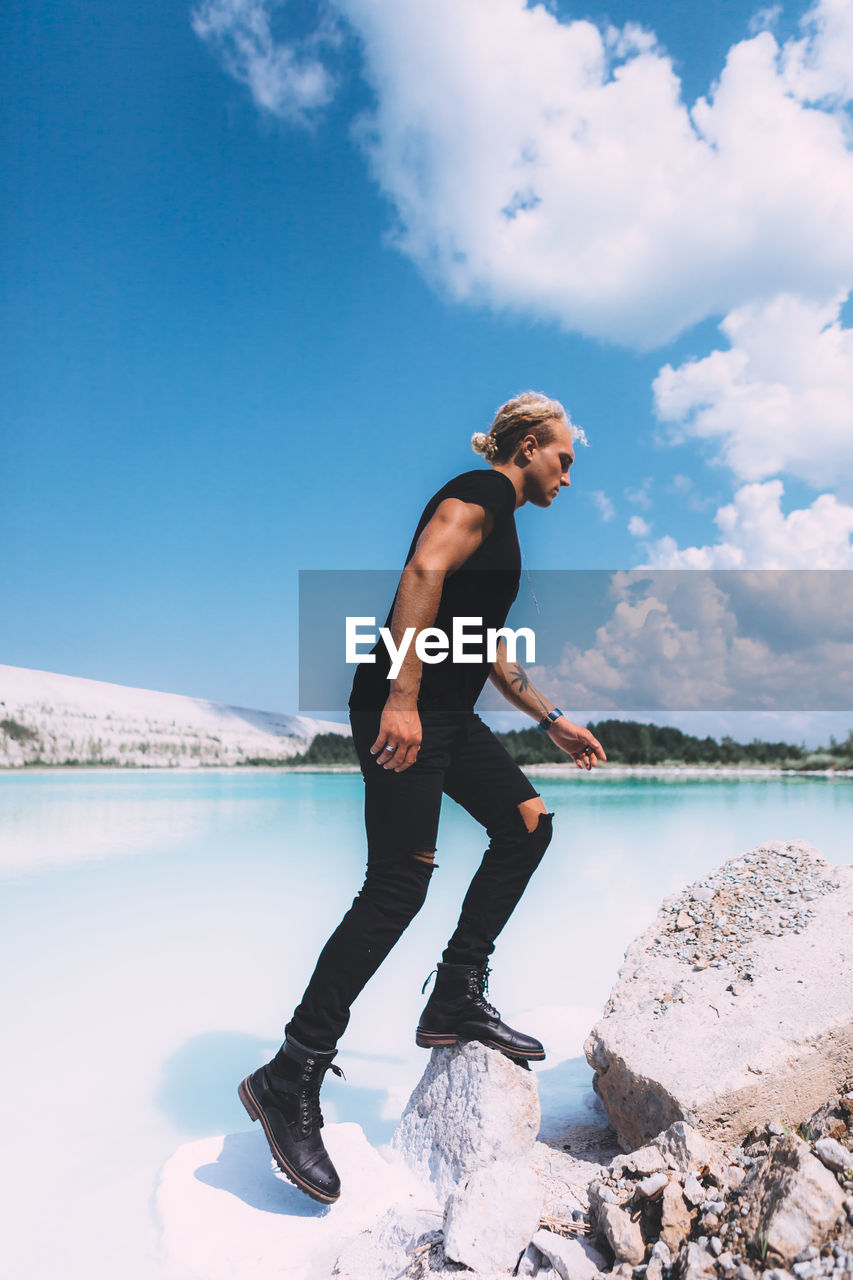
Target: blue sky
261	284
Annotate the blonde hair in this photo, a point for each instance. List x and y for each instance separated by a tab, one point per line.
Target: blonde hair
528	414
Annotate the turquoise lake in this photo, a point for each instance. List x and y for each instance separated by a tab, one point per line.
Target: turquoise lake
156	929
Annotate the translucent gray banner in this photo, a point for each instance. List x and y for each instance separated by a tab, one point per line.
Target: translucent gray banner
621	640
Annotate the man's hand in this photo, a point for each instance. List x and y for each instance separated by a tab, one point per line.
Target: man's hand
399	739
585	750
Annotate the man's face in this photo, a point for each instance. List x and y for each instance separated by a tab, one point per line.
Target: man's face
548	469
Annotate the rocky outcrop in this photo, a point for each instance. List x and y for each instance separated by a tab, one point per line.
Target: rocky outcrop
701	1210
686	1203
472	1108
722	1014
681	1207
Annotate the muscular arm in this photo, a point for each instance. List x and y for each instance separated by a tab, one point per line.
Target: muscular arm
515	684
450	538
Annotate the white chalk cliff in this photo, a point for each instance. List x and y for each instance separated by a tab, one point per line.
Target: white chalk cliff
55	719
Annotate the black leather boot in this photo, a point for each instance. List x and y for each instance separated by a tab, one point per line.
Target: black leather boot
458	1010
285	1096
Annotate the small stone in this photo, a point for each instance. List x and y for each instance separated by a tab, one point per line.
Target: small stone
654	1271
696	1262
745	1272
624	1271
644	1160
689	1149
660	1251
491	1218
833	1155
530	1263
694	1192
683	921
570	1259
675	1217
796	1200
726	1261
775	1129
715	1244
622	1234
649	1187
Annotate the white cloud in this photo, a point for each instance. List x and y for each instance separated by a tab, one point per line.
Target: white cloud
605	506
779	400
638	527
551	168
714	641
286	79
819	67
756	534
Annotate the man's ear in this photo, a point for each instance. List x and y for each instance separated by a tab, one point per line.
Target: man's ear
528	446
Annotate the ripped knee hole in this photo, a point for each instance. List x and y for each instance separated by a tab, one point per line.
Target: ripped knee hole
428	858
531	811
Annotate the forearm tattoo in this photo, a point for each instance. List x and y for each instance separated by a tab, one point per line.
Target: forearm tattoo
520	681
518	677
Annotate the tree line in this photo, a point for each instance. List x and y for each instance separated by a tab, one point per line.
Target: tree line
629	742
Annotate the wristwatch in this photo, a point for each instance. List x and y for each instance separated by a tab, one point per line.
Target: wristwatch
545	723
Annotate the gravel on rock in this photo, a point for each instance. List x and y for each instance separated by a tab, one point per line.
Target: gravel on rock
713	922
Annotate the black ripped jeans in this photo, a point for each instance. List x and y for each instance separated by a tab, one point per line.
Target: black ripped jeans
459	757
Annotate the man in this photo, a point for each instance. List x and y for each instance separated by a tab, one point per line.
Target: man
418	737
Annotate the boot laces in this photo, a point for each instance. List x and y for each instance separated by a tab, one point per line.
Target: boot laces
479	989
310	1115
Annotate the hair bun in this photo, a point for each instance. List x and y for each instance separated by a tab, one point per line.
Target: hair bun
479	442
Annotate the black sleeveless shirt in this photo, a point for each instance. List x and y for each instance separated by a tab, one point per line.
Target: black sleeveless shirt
483	587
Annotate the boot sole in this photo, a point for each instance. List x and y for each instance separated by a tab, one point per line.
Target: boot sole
443	1040
253	1107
